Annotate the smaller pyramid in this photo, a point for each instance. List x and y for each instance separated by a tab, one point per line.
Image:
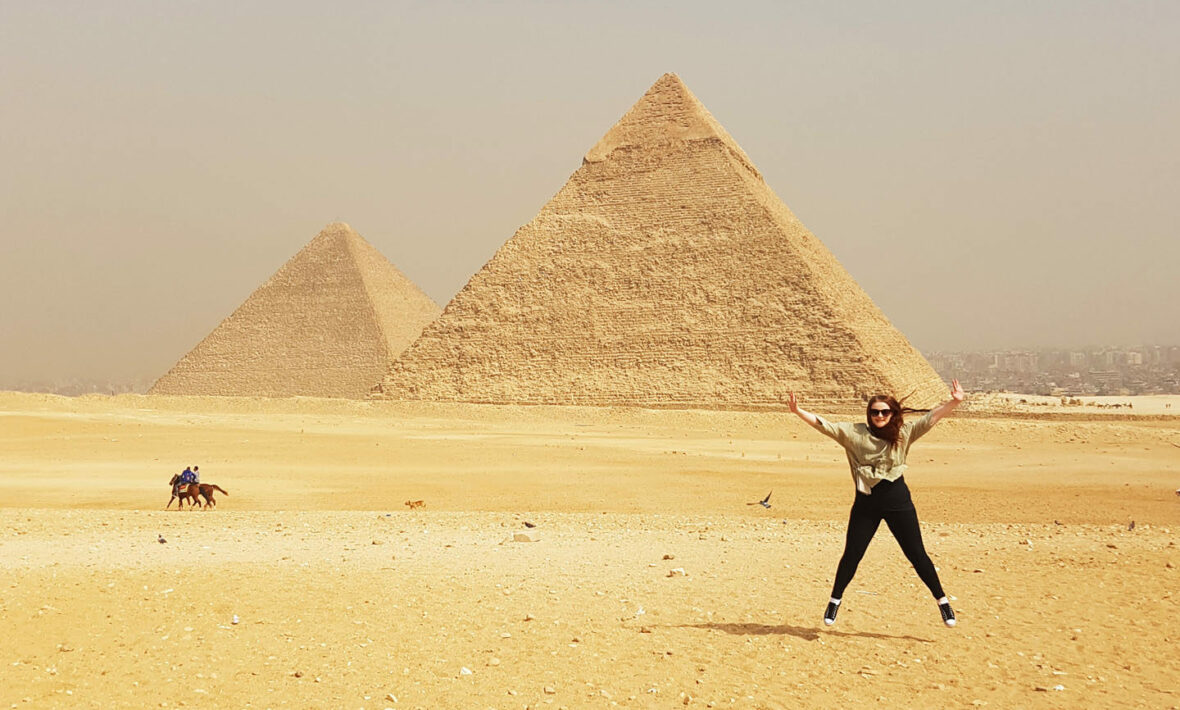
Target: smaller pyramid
326	324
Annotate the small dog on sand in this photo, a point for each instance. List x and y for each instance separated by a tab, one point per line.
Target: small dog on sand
411	504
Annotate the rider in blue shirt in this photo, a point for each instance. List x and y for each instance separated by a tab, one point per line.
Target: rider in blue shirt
186	476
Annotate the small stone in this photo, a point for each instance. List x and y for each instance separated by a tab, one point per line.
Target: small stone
493	661
391	697
525	537
549	690
669	557
677	572
298	674
464	671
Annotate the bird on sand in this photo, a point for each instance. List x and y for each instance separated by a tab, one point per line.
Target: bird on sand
160	539
765	502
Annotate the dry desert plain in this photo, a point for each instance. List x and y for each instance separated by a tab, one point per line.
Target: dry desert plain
651	582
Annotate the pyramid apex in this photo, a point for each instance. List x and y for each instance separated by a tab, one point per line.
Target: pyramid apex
668	113
338	227
336	235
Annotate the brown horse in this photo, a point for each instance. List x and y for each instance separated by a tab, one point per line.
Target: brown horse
206	491
188	492
191	492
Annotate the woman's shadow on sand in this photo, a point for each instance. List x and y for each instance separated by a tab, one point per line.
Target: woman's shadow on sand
801	632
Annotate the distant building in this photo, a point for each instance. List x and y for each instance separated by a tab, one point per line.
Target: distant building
1108	370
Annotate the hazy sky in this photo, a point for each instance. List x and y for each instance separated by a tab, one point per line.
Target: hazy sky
994	174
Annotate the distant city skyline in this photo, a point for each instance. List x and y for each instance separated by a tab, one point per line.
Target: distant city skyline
997	175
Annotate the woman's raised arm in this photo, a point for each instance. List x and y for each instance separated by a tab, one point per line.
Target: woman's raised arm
957	397
803	413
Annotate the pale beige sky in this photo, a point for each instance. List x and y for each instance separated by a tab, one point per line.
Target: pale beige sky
998	174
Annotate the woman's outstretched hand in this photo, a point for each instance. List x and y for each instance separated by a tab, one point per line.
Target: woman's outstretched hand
957	397
798	411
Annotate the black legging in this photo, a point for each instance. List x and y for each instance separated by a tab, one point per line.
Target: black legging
890	502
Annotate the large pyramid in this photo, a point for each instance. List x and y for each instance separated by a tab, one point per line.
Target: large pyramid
664	273
325	325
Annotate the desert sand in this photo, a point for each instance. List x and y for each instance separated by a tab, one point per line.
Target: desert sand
650	581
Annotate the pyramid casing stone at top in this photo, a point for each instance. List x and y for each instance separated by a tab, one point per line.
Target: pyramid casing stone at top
324	325
664	273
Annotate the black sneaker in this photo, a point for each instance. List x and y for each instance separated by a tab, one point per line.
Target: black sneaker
830	614
948	614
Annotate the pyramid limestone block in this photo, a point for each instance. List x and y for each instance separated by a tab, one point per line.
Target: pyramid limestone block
325	325
664	273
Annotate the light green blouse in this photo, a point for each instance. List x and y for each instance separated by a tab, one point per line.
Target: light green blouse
873	460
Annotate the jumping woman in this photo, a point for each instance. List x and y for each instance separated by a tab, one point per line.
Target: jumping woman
876	453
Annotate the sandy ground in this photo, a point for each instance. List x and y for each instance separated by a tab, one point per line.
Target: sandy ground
345	598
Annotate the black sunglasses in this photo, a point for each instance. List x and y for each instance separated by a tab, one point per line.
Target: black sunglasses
880	412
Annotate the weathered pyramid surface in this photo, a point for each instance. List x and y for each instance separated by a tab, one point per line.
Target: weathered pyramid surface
664	273
325	325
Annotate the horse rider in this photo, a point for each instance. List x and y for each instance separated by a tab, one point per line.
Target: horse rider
186	477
